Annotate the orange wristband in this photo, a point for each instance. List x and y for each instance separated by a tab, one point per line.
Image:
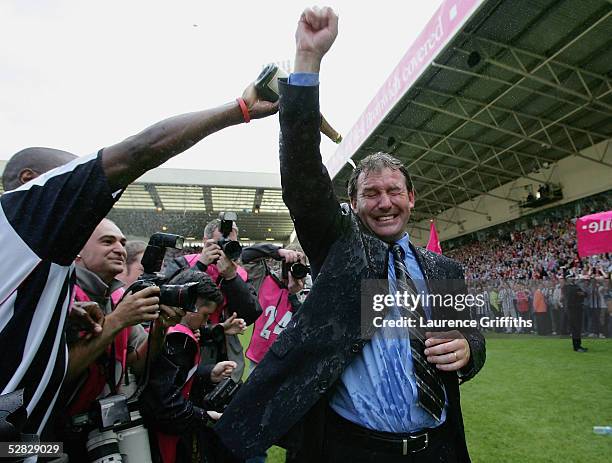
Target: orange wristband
244	109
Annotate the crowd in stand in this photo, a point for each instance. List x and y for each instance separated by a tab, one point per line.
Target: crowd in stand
528	268
545	251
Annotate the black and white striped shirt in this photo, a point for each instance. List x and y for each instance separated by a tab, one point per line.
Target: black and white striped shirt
43	226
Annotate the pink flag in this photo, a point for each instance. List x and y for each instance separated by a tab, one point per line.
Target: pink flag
434	243
594	233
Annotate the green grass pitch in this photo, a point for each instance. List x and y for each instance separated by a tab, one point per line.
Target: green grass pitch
535	400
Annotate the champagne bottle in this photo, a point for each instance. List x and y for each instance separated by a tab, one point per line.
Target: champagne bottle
266	85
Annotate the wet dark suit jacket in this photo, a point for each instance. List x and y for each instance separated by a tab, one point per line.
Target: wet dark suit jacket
284	399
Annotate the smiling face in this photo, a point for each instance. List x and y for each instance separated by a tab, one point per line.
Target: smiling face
104	253
383	203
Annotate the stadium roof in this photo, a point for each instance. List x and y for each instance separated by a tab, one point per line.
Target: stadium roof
489	92
184	200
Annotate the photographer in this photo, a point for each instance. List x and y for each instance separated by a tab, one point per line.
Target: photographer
45	222
96	366
270	271
231	278
166	400
277	289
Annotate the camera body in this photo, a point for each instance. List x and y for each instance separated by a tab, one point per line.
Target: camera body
232	249
116	431
214	334
13	415
297	269
182	296
220	397
212	346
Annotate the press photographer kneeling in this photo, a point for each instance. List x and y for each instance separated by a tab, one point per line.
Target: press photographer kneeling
166	404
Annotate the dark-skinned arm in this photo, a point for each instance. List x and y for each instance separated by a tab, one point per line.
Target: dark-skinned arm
133	309
124	162
85	351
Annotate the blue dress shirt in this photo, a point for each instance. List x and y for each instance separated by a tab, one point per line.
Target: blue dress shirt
378	388
304	79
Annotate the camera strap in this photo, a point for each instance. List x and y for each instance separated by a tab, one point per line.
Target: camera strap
144	379
276	279
282	287
110	369
276	309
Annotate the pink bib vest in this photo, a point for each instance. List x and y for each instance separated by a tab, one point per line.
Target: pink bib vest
277	312
96	377
167	442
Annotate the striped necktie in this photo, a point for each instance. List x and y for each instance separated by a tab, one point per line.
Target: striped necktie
429	384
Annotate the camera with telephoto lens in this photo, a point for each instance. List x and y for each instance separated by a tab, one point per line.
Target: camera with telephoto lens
115	431
181	296
297	269
232	249
220	397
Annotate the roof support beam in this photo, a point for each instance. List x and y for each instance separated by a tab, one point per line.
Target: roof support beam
452	206
207	198
501	173
515	85
530	138
522	71
517	115
442	184
259	192
425	147
427	180
520	141
471	144
547	61
154	196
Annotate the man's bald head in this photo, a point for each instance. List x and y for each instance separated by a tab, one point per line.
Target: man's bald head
29	163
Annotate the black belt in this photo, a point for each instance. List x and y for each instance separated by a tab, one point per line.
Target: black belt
379	441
